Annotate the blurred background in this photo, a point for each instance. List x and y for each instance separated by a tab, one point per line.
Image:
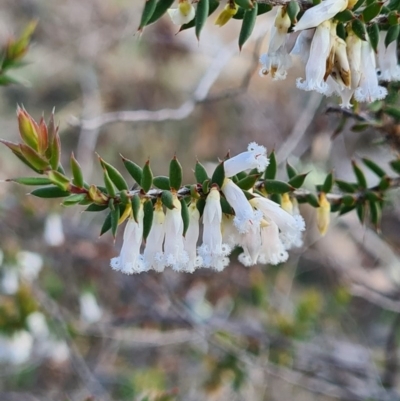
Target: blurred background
323	326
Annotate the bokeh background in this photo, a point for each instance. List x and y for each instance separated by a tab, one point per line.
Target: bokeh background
323	326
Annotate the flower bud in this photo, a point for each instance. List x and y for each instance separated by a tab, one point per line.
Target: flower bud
227	13
323	214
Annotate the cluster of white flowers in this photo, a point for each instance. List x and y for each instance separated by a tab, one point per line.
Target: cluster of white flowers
263	229
333	66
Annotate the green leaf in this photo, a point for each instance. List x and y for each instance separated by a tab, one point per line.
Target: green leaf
200	173
344	16
395	165
394	4
185	216
359	29
292	10
106	225
203	8
276	198
361	180
167	199
218	176
384	183
225	206
136	202
374	167
33	157
134	170
373	34
346	209
248	24
263	8
76	172
360	212
55	150
328	183
109	184
161	8
270	172
161	182
298	180
74	199
290	170
245	4
358	4
175	174
50	192
95	208
206	187
359	127
115	176
147	177
148	10
392	34
341	31
148	211
375	213
392	111
348	200
60	180
30	180
277	187
200	204
346	186
371	11
248	182
213	5
312	200
115	215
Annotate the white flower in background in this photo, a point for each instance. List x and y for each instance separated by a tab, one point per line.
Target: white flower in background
320	13
57	351
9	281
191	238
153	254
183	14
316	64
387	59
53	230
31	264
37	325
369	89
174	252
90	309
213	252
16	349
255	157
130	261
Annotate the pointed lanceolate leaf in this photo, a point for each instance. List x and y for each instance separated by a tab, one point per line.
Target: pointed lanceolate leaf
226	207
200	173
175	174
200	204
60	180
106	225
361	180
135	207
346	186
206	187
375	213
371	11
359	29
115	176
28	129
270	172
30	180
277	187
358	4
290	170
148	10
109	184
95	208
160	9
134	170
373	34
213	5
344	16
292	10
33	157
147	177
218	176
76	172
248	24
346	209
55	151
395	165
115	214
161	182
392	34
328	183
185	216
245	4
380	172
312	200
203	7
298	180
73	199
167	199
148	218
50	192
248	182
361	212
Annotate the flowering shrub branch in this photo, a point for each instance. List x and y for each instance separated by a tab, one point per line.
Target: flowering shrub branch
240	204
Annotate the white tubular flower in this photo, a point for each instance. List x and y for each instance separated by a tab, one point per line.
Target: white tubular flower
245	216
279	30
272	250
316	64
320	13
342	62
277	63
153	255
191	237
255	157
174	253
387	59
369	89
130	261
353	43
303	45
230	234
251	244
213	252
183	14
290	226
